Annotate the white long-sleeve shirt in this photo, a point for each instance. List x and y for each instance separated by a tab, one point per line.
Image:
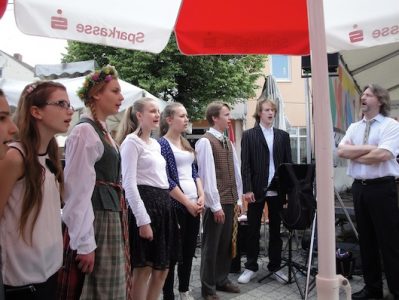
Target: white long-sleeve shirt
207	173
142	164
83	148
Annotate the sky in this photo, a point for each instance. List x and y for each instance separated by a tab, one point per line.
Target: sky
34	50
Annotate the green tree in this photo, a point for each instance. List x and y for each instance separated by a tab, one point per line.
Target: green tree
192	80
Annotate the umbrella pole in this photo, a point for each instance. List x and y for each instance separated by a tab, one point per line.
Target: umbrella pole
327	281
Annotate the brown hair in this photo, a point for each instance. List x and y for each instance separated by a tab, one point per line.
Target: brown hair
259	107
129	122
382	96
169	111
35	94
213	110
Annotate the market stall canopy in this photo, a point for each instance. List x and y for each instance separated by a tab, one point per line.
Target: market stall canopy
375	65
64	70
13	88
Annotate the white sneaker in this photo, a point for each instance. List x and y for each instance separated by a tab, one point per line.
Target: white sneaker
185	296
280	277
246	276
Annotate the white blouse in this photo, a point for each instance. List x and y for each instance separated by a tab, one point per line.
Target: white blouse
184	164
142	164
24	263
83	148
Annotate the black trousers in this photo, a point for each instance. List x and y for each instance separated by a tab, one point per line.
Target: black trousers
377	217
254	216
37	291
189	228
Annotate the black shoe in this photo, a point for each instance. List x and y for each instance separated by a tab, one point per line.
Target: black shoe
366	294
228	288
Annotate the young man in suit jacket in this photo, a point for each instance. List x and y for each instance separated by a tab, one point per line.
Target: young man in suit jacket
263	149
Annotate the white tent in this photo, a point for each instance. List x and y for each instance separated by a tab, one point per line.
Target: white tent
13	88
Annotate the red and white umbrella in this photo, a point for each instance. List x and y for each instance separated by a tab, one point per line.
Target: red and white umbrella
210	26
3	6
294	27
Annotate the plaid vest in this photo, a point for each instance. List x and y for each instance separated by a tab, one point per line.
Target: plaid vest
224	167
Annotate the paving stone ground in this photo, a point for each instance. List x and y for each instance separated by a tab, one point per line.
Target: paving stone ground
270	289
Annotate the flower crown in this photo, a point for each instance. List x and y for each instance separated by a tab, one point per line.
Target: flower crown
105	74
31	88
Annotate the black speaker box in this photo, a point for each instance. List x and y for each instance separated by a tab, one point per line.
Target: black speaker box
333	62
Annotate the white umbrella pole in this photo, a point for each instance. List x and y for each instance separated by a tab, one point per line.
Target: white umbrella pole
326	281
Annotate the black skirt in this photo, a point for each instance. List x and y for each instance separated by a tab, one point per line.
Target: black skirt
156	253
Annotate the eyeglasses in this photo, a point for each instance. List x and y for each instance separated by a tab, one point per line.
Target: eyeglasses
63	104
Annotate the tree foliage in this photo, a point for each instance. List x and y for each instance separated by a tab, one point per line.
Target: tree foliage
192	80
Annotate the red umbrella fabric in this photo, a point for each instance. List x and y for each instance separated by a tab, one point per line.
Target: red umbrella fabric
3	6
236	26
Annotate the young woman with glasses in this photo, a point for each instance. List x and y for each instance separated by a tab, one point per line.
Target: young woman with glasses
31	188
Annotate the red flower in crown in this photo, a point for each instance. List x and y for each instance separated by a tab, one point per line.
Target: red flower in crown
105	74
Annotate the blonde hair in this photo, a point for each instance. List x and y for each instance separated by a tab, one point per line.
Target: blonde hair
259	106
129	122
168	112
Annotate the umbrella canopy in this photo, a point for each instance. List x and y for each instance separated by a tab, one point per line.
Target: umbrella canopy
211	26
3	6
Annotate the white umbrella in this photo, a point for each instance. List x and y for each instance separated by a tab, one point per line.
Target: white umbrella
271	91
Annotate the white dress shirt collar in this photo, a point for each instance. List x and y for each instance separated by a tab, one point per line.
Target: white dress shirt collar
266	129
219	135
379	118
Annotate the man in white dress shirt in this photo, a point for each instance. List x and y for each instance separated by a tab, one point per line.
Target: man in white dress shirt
219	171
371	145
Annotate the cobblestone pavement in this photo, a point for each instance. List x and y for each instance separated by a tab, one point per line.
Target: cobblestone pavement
270	289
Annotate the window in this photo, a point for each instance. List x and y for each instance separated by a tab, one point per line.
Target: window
281	67
298	144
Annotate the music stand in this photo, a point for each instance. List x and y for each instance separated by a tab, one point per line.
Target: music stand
290	178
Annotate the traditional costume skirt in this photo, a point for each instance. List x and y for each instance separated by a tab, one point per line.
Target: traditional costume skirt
108	279
155	253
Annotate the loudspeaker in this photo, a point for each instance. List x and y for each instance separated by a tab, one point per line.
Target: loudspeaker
333	62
